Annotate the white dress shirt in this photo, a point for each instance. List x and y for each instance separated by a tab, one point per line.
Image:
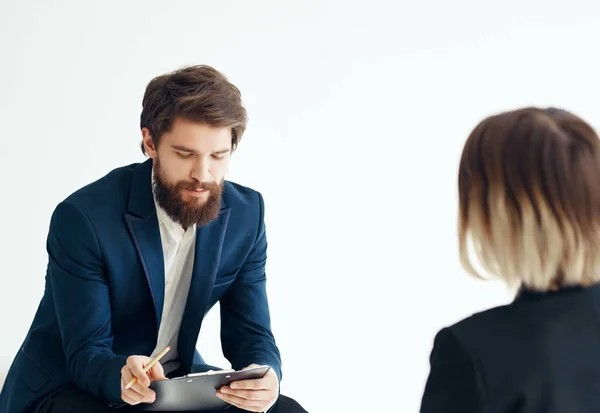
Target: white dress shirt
178	252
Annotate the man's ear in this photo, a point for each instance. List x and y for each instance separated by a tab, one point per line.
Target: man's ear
148	143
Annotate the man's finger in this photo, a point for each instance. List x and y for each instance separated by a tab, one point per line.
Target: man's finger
143	391
131	397
248	394
146	397
157	372
126	377
127	399
137	392
251	405
252	384
138	371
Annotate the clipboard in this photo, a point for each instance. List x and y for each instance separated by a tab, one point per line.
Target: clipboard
196	391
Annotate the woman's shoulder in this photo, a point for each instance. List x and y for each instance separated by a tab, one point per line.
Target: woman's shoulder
487	324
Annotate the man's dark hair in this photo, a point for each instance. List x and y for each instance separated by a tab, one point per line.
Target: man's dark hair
195	93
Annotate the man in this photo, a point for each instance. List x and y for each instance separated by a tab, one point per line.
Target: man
137	259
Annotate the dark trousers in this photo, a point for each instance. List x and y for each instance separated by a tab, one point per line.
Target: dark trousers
74	400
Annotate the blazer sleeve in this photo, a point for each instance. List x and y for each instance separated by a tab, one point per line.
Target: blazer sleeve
452	385
246	335
81	296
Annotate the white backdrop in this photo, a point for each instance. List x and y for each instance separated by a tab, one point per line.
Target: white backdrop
358	113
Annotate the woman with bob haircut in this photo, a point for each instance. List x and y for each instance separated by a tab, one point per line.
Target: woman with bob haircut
529	211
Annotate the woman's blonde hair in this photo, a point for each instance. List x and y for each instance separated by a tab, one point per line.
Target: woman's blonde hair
529	199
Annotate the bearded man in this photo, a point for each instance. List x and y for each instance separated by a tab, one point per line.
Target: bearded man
137	259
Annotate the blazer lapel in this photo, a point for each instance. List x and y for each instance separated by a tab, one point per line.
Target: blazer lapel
209	243
143	226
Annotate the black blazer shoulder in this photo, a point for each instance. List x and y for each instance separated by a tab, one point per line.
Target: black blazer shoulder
521	357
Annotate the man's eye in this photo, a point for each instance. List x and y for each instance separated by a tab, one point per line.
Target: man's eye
184	155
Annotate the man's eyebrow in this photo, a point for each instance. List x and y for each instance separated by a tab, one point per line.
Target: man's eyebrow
185	149
182	148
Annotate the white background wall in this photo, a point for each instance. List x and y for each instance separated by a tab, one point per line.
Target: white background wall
358	113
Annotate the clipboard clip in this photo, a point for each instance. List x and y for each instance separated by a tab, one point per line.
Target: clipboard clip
207	373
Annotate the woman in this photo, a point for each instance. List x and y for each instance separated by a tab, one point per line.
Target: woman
529	193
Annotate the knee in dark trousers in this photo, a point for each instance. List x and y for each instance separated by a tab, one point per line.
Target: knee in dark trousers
288	405
74	400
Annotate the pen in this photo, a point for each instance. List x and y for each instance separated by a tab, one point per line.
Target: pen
150	365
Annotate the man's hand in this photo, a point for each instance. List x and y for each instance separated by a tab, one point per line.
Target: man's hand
256	395
139	392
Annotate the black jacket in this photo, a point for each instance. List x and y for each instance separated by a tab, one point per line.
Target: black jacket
539	354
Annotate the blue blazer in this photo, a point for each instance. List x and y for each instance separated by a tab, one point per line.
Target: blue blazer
104	290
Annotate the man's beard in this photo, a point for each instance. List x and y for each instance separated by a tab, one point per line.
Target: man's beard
187	213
